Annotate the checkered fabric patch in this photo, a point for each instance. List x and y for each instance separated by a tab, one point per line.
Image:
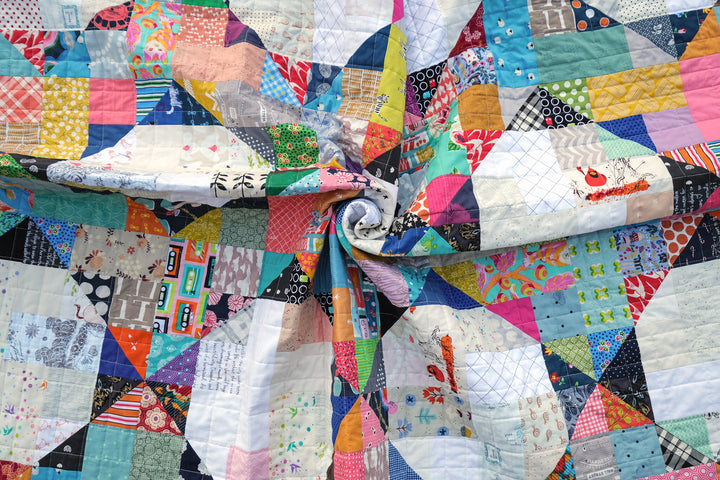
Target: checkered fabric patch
274	84
21	99
676	453
530	115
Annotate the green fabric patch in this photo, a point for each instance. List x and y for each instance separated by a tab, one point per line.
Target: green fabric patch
10	168
156	456
574	93
365	354
295	145
576	351
244	227
9	220
279	181
108	211
597	52
691	430
431	243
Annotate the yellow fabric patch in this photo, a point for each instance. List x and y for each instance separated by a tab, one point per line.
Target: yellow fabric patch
64	125
204	229
479	108
389	108
463	277
204	93
636	91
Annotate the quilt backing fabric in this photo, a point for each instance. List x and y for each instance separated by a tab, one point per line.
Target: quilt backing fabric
343	239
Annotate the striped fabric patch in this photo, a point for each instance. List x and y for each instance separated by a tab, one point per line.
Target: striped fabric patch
125	412
149	93
702	155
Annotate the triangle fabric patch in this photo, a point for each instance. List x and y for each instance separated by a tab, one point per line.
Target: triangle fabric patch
372	432
193	112
274	85
295	72
165	348
204	229
563	375
473	34
590	18
657	30
557	113
175	399
575	351
153	415
191	464
60	234
706	42
124	413
676	453
10	220
399	468
108	390
692	430
620	415
678	232
640	290
592	417
445	94
38	250
530	115
701	246
603	347
149	93
180	370
167	111
113	360
519	313
573	401
685	27
69	454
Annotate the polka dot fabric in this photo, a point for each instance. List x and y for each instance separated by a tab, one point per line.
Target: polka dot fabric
20	14
678	233
425	83
557	113
573	93
65	120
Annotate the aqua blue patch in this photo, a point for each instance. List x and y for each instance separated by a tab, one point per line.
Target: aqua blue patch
637	452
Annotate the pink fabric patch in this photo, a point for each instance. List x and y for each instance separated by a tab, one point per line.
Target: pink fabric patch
696	472
701	89
440	192
592	418
346	363
349	466
520	313
372	432
398	10
21	99
244	465
112	101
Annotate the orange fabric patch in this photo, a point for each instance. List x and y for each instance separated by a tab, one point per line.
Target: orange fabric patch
140	219
479	108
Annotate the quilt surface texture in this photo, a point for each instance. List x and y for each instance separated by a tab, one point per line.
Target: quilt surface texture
359	239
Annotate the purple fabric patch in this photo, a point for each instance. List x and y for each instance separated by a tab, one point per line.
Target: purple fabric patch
672	129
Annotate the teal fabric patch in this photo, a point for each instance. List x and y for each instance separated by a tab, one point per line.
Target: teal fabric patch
558	314
108	452
507	27
637	452
164	349
598	52
616	147
599	281
108	211
48	473
14	63
273	264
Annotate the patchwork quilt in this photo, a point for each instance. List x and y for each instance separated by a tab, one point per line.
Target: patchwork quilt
359	239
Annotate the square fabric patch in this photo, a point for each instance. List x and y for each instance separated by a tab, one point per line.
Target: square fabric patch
21	99
203	25
112	101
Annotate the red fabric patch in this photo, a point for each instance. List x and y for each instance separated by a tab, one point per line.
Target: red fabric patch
21	99
30	44
378	140
346	363
473	34
640	289
295	72
289	219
